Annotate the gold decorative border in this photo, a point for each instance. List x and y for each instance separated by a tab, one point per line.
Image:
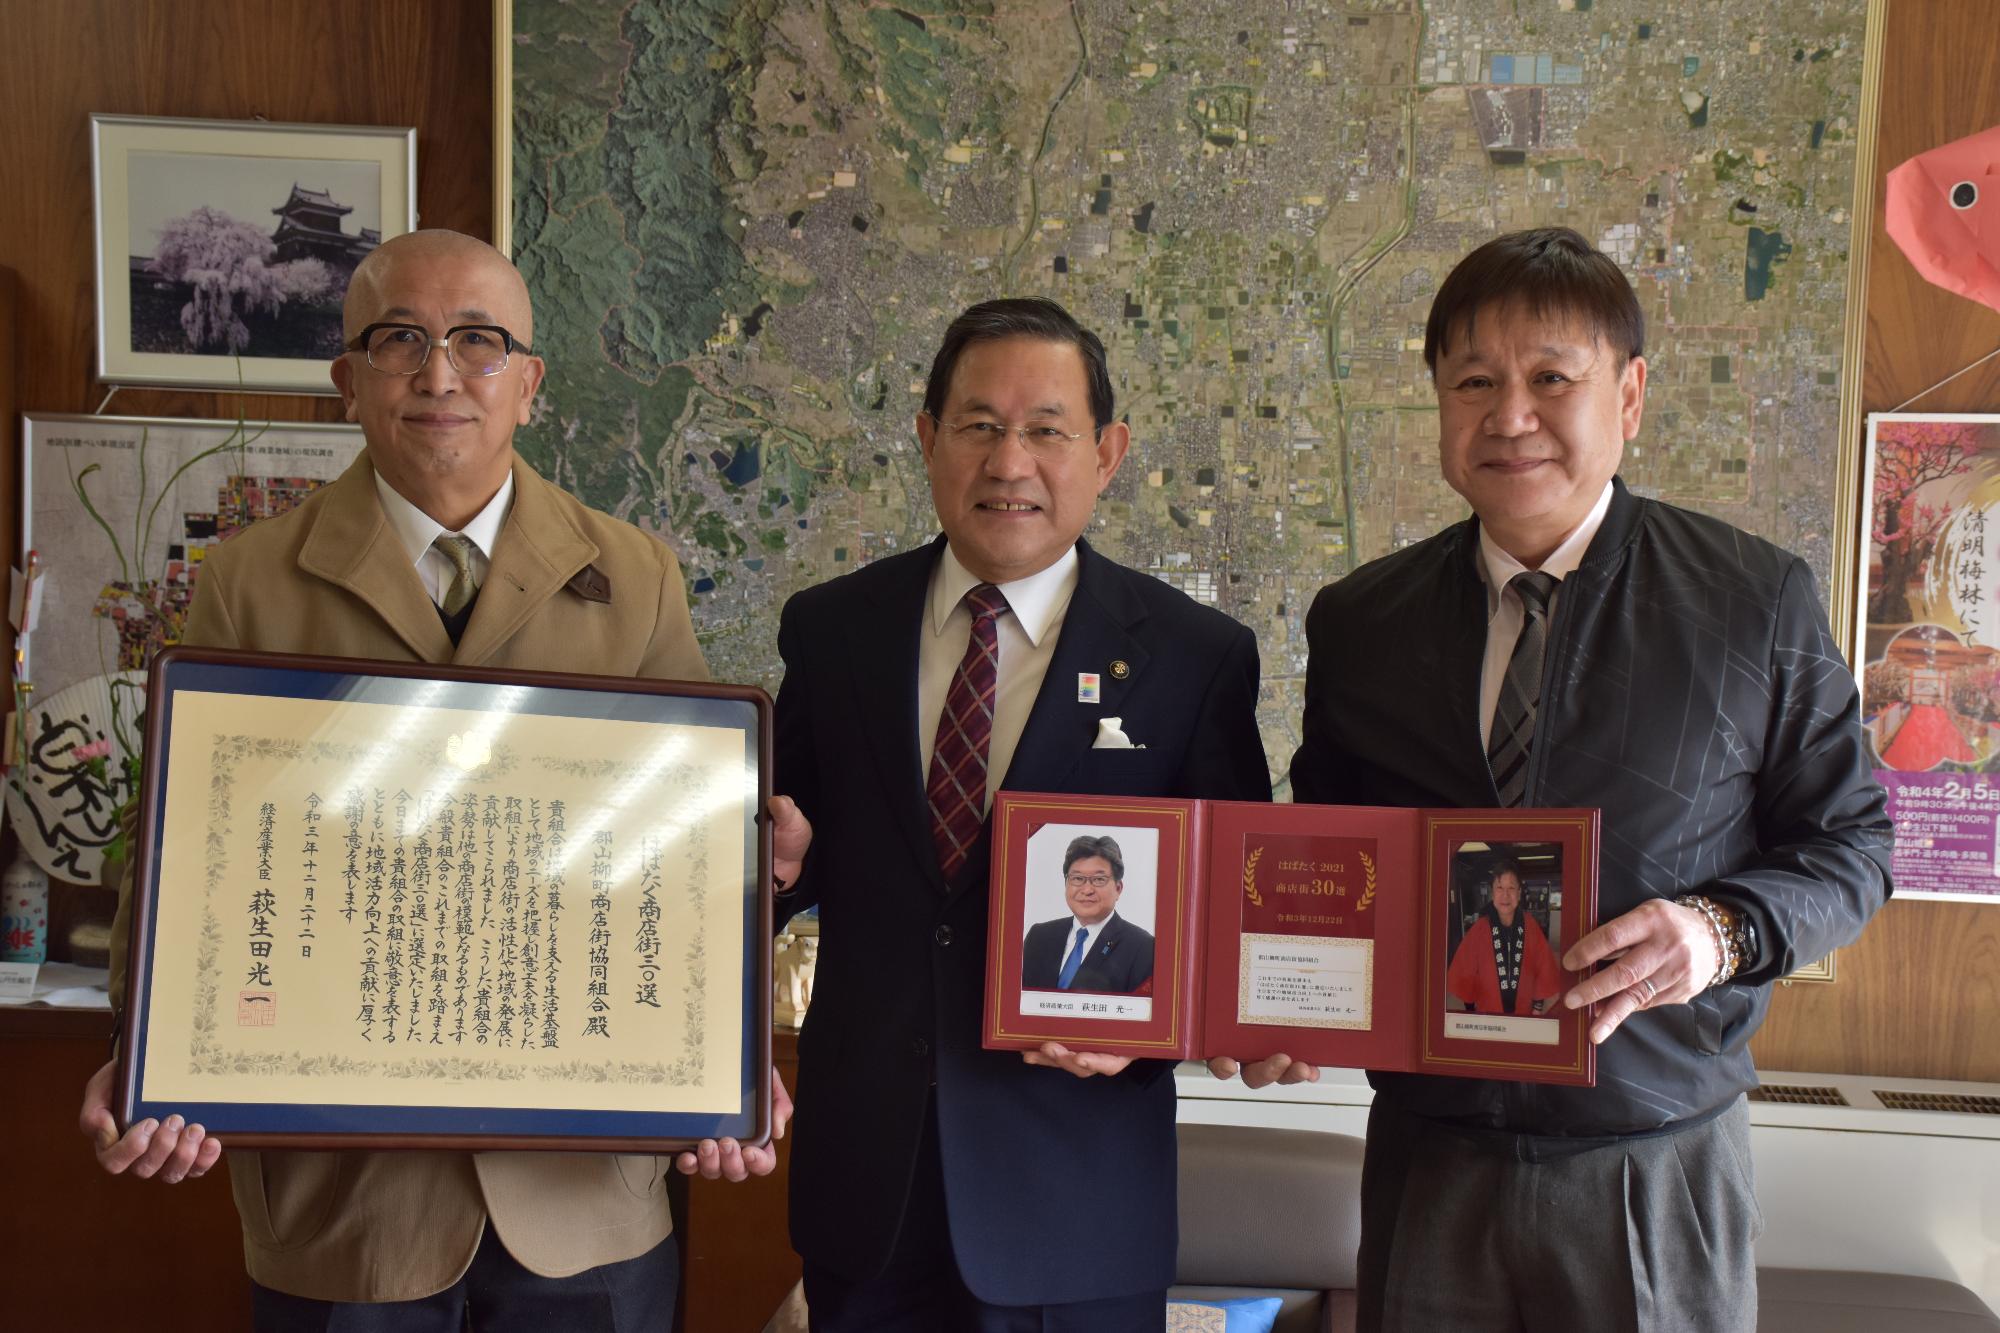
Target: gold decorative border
1002	850
205	1056
1847	579
503	127
1484	825
1820	973
1243	1015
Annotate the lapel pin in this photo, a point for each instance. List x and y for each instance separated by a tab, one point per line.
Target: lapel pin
1119	670
1086	687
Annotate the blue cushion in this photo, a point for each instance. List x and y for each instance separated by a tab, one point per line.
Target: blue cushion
1245	1314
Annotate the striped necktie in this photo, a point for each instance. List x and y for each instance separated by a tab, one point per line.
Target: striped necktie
1513	729
459	551
957	785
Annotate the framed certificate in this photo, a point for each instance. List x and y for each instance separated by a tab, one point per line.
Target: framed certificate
1417	940
388	905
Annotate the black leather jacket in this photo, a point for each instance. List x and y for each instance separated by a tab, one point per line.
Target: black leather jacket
1694	693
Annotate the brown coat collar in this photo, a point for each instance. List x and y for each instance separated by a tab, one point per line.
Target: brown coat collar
540	549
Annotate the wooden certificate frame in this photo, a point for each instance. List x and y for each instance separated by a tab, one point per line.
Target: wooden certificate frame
389	905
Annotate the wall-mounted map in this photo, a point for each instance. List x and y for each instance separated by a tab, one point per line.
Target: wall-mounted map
746	225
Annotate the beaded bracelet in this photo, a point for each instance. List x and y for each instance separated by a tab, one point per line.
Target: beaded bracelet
1727	958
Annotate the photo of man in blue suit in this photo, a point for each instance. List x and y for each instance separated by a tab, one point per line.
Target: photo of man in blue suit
1093	948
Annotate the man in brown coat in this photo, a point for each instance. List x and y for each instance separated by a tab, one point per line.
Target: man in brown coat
441	545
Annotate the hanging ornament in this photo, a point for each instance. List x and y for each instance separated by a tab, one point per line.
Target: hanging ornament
72	776
1943	212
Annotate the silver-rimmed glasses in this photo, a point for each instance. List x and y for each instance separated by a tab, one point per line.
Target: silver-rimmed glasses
402	349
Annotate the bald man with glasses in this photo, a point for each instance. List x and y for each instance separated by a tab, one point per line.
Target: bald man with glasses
440	544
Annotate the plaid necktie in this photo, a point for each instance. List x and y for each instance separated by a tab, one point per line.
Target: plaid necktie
1513	730
957	786
459	551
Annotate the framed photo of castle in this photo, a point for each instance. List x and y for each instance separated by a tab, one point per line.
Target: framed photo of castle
224	247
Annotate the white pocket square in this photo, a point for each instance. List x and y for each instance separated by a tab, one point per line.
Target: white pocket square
1111	735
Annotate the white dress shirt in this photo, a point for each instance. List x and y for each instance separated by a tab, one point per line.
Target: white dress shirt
1027	635
1504	615
1090	939
415	531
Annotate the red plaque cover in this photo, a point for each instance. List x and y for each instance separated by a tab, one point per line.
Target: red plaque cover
1340	935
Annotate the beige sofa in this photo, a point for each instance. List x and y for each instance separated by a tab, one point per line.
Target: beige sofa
1271	1212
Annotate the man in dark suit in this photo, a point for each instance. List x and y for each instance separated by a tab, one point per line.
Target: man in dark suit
1093	948
937	1185
1574	644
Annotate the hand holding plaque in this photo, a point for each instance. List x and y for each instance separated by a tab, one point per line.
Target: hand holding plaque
1357	936
171	1150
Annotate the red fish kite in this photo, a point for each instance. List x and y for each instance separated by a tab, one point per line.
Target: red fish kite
1944	214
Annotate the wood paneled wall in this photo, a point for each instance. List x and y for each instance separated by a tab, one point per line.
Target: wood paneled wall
365	63
83	1250
10	424
1919	995
90	1251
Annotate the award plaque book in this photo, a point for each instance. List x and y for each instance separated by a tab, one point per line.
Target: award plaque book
1426	941
392	905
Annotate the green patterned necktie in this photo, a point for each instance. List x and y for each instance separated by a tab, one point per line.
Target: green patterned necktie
459	551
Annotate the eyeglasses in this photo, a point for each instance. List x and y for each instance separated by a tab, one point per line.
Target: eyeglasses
1094	881
402	349
981	434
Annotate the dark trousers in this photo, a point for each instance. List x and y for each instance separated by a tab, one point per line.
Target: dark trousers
497	1295
1496	1233
921	1290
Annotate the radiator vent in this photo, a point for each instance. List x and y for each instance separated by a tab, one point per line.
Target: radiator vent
1963	1103
1797	1095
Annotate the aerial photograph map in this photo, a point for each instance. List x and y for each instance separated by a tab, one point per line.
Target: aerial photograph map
746	224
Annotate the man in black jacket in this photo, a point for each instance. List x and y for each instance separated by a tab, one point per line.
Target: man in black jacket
1575	645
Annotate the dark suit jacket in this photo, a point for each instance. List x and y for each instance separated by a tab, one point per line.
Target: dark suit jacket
1120	961
1693	693
1060	1189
